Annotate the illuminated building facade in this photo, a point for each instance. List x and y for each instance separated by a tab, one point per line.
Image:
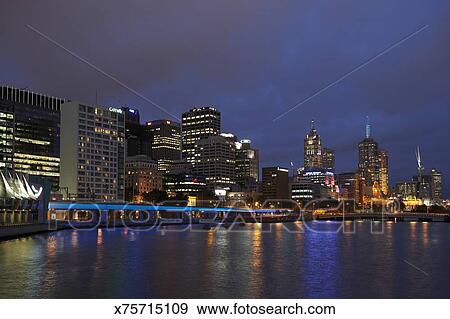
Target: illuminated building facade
384	171
185	184
138	140
215	159
198	124
141	176
373	167
93	148
166	147
275	183
436	185
30	132
312	149
23	198
349	186
406	190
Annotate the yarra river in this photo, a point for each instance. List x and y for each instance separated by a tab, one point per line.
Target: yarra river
403	260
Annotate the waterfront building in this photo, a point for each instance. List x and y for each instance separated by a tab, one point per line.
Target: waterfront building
166	146
197	124
24	198
247	166
93	148
30	133
141	176
275	183
215	159
184	184
328	160
138	139
312	149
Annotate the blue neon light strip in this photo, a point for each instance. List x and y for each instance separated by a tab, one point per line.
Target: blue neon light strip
100	206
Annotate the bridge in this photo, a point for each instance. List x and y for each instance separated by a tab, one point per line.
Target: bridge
147	213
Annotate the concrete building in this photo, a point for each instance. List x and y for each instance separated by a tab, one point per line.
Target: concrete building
166	147
30	133
197	124
275	183
93	148
141	176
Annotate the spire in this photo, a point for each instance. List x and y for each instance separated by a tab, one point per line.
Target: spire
313	128
368	131
419	160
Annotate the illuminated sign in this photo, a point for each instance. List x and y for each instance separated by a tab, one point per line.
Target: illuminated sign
115	110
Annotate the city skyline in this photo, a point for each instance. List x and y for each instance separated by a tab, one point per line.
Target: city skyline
300	163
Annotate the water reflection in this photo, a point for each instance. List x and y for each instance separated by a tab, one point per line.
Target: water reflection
251	263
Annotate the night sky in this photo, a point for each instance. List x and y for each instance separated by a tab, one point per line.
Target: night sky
253	60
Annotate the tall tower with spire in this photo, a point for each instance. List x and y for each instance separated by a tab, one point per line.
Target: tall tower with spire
369	164
312	148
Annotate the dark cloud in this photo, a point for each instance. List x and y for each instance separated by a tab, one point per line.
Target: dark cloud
253	59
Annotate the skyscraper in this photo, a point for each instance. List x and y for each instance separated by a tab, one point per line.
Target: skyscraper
328	160
93	151
312	149
369	159
247	165
166	146
215	159
436	185
30	133
197	124
138	139
384	171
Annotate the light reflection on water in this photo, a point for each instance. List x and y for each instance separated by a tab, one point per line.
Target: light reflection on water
312	261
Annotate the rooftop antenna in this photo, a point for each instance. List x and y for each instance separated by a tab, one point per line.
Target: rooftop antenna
312	125
368	130
419	161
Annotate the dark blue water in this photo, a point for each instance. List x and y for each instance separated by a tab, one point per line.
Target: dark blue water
408	260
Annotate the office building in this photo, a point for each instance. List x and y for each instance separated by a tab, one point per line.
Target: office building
141	177
349	186
304	190
166	146
30	133
215	159
384	171
406	190
275	183
369	164
93	148
138	139
312	149
198	124
184	184
436	184
328	160
247	166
